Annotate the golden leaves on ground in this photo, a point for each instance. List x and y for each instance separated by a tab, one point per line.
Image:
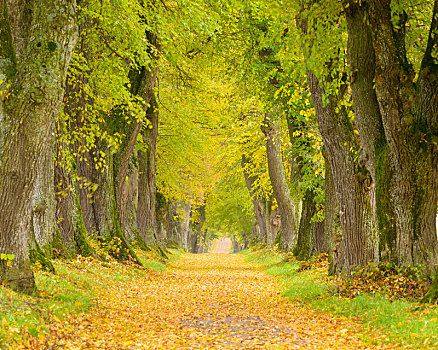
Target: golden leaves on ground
205	301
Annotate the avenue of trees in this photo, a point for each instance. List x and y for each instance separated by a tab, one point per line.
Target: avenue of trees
308	124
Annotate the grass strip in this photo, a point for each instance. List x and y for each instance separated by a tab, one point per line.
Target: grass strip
73	289
411	324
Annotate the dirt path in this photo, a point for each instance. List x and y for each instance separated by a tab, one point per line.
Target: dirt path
206	301
222	246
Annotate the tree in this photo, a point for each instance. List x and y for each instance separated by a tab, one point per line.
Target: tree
404	102
359	240
35	51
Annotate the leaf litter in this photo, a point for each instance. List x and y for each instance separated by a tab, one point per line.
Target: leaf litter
203	301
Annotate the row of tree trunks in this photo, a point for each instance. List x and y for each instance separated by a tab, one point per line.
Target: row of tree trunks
108	194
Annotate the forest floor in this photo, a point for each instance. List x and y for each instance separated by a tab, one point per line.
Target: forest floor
203	301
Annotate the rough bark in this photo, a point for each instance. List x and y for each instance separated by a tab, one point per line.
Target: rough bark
34	56
373	155
174	234
198	230
162	213
68	167
332	224
287	206
186	225
69	219
258	203
409	113
146	213
352	181
304	247
44	202
142	84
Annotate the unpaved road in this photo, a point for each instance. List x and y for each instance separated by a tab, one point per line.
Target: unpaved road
205	301
222	246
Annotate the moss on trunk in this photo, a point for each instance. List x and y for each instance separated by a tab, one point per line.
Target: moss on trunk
37	256
384	208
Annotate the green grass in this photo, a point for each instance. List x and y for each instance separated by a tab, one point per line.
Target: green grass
405	322
73	289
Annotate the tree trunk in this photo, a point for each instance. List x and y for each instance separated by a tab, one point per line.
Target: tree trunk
198	231
373	154
35	51
174	235
287	206
409	113
69	219
142	84
352	181
304	247
161	215
44	202
146	213
332	224
258	204
73	199
186	225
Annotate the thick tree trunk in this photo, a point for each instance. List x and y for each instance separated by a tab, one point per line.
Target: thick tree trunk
304	247
186	225
98	205
369	121
258	204
44	202
69	219
35	51
332	224
174	235
198	229
410	119
142	82
288	207
162	212
352	180
358	245
146	213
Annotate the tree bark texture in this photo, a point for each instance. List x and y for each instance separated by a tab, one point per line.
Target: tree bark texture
147	190
258	204
287	206
37	41
304	247
186	225
142	82
368	119
409	113
352	181
44	202
198	230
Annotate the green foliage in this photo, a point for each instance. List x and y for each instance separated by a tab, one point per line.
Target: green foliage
8	258
229	207
40	260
